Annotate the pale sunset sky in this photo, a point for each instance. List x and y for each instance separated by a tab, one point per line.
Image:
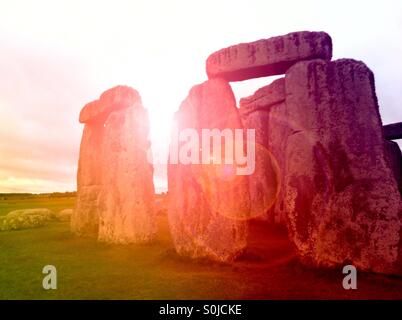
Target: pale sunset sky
55	56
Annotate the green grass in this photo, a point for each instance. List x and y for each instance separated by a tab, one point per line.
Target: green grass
91	270
55	204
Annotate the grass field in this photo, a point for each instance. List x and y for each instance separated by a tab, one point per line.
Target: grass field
87	269
55	204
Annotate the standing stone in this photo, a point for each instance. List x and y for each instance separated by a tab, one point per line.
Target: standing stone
85	218
127	192
264	111
268	57
341	196
208	203
114	181
116	98
395	161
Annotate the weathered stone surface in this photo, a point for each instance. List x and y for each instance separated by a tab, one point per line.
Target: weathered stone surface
208	205
119	97
126	197
47	214
26	219
264	97
342	199
85	218
395	161
264	111
268	57
393	131
65	215
105	147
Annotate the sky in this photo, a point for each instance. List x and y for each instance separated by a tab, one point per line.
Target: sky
55	56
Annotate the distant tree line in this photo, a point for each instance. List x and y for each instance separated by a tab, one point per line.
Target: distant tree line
9	196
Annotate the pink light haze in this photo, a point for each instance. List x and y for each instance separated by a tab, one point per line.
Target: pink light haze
57	56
